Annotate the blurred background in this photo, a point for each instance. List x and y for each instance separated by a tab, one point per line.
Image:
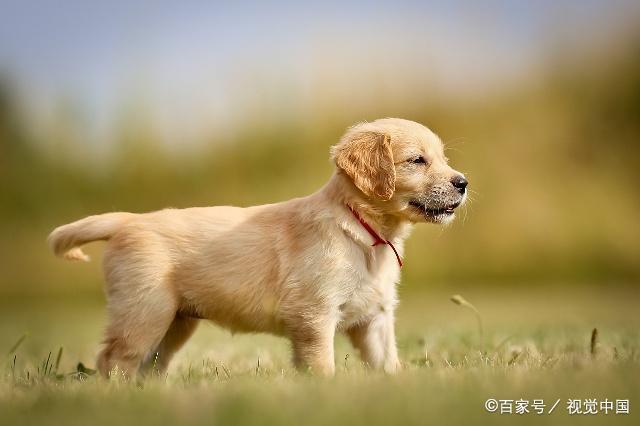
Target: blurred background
136	106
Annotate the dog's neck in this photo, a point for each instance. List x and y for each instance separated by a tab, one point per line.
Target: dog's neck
341	189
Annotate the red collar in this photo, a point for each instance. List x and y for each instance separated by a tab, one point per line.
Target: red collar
377	239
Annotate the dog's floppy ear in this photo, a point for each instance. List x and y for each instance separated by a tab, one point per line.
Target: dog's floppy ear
366	157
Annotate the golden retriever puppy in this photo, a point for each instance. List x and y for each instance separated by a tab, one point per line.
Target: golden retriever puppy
304	268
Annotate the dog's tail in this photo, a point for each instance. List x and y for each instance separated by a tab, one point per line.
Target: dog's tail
65	240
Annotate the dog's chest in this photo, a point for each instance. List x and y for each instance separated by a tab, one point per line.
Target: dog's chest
372	291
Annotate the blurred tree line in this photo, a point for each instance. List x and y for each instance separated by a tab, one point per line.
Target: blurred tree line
552	163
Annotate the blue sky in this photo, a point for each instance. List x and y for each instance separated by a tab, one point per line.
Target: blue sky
198	60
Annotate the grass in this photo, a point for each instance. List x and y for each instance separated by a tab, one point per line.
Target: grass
535	344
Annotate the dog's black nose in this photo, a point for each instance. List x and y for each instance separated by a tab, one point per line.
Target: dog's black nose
460	183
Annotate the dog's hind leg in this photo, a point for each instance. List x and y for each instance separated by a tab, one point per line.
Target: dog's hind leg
180	330
141	308
133	332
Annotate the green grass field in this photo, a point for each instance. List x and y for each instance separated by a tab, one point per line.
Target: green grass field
536	345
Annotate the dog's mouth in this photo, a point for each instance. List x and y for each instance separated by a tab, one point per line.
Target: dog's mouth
435	213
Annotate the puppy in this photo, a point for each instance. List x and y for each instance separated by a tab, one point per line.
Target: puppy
304	268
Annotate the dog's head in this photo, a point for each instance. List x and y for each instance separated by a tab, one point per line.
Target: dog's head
400	167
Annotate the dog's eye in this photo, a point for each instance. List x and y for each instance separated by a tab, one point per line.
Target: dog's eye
418	160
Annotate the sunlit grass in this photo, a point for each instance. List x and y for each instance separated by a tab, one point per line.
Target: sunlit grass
536	344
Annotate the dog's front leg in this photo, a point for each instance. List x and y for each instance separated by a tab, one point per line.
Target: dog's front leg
376	341
391	360
313	346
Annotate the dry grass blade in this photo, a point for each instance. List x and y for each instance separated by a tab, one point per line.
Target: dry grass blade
461	301
58	358
594	342
226	371
17	344
515	354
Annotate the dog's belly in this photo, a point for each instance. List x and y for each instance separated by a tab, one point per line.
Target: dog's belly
247	311
256	311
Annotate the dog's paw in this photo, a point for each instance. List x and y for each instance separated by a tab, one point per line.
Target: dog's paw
392	366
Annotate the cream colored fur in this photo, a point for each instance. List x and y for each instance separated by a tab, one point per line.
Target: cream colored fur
303	268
